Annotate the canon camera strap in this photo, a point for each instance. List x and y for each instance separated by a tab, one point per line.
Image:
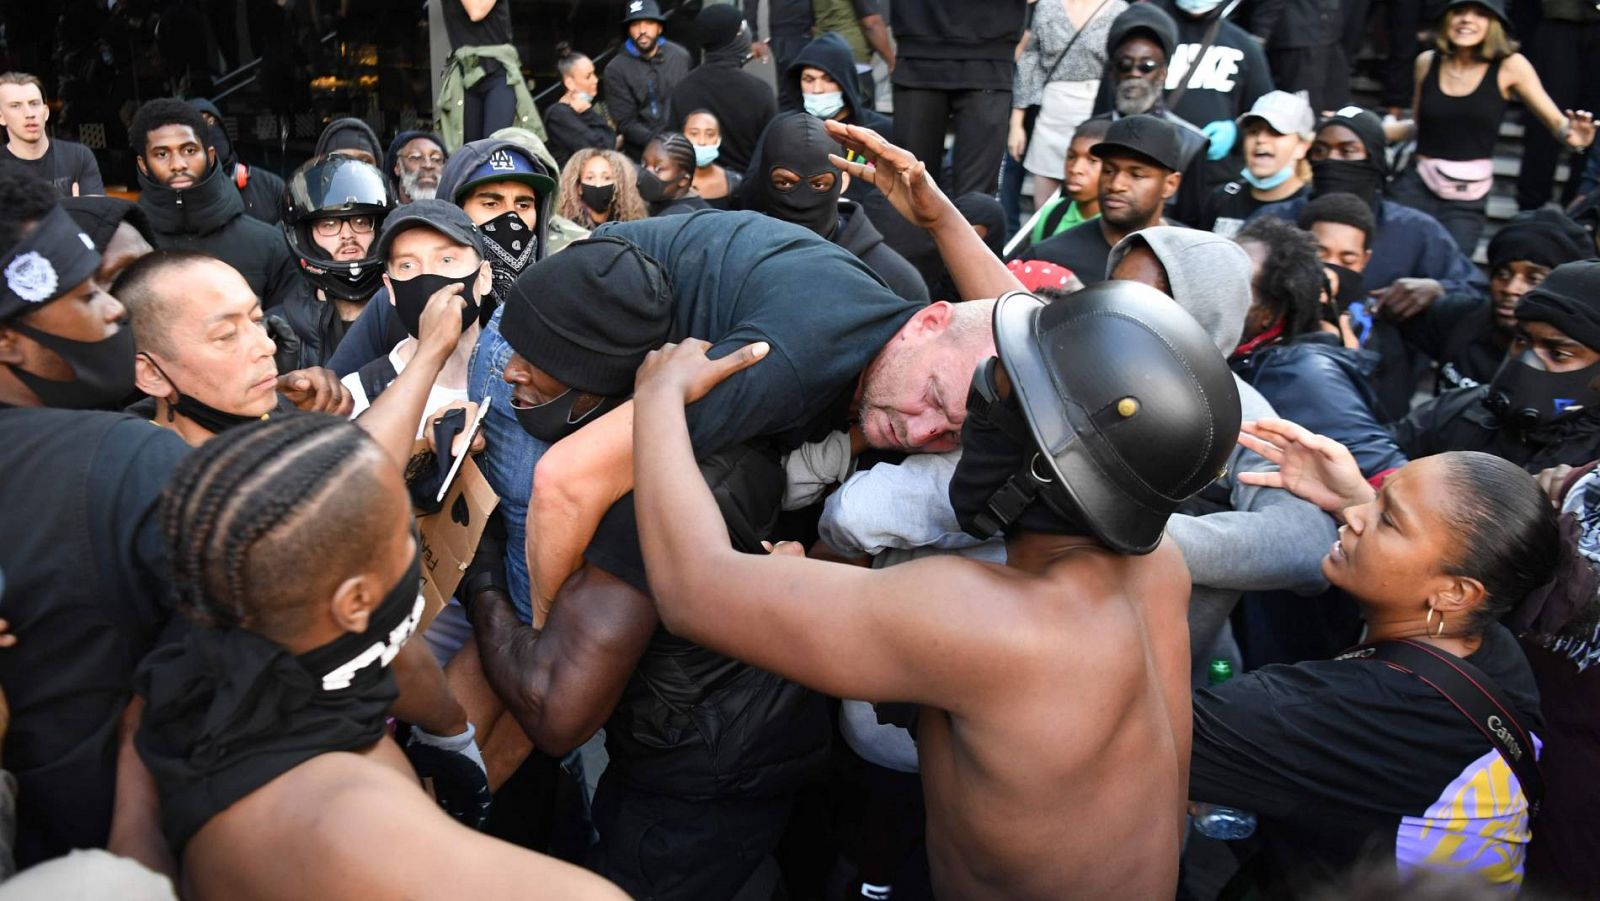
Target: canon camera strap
1472	693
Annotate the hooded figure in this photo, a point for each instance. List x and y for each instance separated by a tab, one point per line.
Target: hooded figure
742	103
793	180
352	136
260	188
391	159
830	53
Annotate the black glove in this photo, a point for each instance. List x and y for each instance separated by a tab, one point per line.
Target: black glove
487	571
460	779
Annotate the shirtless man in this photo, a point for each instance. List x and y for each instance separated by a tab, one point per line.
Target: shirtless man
292	541
1054	737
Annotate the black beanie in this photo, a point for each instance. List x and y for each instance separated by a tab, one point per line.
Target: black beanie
1545	237
99	217
1569	299
718	25
588	315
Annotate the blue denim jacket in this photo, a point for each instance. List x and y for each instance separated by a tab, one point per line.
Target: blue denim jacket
508	457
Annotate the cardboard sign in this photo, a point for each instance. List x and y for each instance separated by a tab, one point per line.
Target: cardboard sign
450	537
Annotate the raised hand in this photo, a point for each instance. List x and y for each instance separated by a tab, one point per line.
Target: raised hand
1580	129
894	171
316	390
1311	466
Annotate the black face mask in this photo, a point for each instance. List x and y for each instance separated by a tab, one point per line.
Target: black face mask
357	662
554	420
102	370
801	145
512	247
1352	287
1001	483
1359	177
411	298
651	187
598	197
200	413
1525	395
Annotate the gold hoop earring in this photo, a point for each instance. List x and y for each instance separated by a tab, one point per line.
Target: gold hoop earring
1439	631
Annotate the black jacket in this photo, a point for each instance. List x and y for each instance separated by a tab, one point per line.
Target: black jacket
1458	332
210	218
1317	382
1458	421
637	91
957	29
262	191
571	131
831	54
857	234
742	103
316	329
1295	24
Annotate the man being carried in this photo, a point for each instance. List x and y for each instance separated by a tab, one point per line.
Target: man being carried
1095	420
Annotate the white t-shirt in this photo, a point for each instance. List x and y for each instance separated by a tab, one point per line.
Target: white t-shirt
438	395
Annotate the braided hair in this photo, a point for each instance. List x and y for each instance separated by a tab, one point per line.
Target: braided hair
677	148
250	515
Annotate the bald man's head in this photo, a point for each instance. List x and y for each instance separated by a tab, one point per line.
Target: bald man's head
160	288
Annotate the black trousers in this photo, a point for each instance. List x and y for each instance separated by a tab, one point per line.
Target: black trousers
979	119
1320	71
661	847
785	49
1563	54
488	106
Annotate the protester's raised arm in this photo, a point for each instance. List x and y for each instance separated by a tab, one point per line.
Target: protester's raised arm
906	633
392	419
904	180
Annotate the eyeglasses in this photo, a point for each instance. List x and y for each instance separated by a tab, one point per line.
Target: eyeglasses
416	159
1127	64
327	228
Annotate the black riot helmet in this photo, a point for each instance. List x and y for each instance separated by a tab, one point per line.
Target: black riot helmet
336	187
1121	404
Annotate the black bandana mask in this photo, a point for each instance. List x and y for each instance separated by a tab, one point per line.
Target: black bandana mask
1352	287
411	298
554	420
1362	178
1002	484
102	370
357	662
512	245
1525	395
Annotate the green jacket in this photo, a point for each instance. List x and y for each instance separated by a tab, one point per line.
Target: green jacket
462	72
840	16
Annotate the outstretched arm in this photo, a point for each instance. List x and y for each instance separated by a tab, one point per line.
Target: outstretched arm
904	180
906	633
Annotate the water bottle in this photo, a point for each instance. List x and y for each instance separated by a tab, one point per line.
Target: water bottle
1213	820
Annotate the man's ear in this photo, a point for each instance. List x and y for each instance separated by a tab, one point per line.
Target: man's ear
485	282
1171	186
931	320
1366	258
388	286
353	602
138	161
150	380
10	348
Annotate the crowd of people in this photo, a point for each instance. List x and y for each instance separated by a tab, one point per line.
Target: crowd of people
1086	463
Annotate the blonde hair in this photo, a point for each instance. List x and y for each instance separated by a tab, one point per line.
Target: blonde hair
1496	43
626	205
22	78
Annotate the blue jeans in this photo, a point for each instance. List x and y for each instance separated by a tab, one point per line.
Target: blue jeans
508	457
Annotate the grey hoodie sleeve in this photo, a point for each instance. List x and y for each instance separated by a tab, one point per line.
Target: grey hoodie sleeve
1269	540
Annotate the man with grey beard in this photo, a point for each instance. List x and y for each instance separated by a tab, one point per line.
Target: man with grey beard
414	162
1138	48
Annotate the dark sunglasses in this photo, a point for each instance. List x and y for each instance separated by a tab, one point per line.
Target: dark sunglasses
1126	64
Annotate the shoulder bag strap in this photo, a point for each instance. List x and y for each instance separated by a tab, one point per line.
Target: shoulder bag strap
1474	695
1073	41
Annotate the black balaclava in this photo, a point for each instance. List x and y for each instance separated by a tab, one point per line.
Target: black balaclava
799	143
1363	178
996	446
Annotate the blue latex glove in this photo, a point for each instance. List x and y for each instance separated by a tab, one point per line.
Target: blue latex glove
1222	133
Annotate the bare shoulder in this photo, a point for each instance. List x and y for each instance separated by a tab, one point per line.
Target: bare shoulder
1424	60
320	824
1517	67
